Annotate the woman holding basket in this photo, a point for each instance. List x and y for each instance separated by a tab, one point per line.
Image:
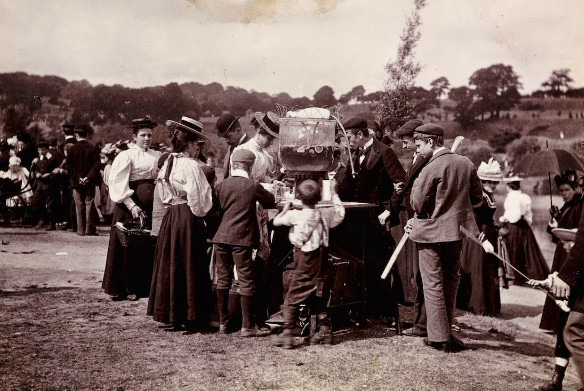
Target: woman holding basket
131	186
181	286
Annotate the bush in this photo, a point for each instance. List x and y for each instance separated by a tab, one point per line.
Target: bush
517	149
530	106
476	154
500	139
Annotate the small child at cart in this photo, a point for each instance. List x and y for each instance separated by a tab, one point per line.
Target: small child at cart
310	237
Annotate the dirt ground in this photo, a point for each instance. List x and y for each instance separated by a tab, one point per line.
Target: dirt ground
61	332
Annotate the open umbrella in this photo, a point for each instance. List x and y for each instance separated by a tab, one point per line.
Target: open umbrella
549	161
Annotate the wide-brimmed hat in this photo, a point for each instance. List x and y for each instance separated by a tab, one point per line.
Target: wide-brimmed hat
225	123
490	171
512	177
268	122
142	123
14	161
189	125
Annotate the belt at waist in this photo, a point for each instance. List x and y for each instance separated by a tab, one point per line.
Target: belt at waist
134	184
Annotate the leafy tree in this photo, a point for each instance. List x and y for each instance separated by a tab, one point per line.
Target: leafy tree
16	118
396	105
356	93
465	109
497	88
440	86
558	83
324	97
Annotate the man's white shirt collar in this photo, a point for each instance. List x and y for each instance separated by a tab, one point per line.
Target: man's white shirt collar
239	172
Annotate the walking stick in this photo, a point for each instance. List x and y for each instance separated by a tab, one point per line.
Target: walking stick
563	304
400	245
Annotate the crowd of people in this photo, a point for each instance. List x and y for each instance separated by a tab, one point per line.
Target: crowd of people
211	259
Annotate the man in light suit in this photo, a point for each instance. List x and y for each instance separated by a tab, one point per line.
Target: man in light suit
443	197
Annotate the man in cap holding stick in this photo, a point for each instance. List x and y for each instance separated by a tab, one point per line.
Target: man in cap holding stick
229	128
443	197
410	272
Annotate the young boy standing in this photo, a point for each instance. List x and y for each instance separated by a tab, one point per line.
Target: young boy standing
237	234
310	236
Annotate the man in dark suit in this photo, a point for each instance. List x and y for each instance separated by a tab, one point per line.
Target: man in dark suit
236	236
83	161
64	181
229	128
443	197
378	173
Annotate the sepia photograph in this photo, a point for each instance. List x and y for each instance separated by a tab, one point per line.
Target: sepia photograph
291	195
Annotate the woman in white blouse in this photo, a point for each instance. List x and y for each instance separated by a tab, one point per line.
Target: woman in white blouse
131	186
181	286
524	252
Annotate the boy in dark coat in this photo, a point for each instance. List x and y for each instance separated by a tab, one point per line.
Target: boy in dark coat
237	234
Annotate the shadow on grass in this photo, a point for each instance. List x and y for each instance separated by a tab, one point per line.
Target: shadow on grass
512	311
33	289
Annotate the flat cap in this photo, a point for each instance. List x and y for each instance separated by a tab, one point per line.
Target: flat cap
408	128
42	143
357	123
430	130
242	156
225	123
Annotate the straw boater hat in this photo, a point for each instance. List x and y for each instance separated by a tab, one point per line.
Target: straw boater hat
268	122
490	171
512	177
188	125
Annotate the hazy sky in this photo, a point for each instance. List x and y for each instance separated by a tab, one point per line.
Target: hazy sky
295	46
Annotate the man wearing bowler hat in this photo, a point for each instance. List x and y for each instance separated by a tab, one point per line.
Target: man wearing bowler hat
229	128
378	172
443	197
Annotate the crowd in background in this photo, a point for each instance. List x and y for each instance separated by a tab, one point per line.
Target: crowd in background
217	236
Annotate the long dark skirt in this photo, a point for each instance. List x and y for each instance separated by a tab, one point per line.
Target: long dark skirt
181	286
478	291
551	312
128	270
524	253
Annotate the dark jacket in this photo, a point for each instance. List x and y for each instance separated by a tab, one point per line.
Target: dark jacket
375	180
83	162
573	270
235	198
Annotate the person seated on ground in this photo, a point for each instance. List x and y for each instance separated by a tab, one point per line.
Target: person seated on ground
310	236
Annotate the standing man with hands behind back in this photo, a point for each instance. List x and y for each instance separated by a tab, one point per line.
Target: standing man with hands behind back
83	161
443	197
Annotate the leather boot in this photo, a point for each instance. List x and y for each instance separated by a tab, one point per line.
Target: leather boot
248	327
555	384
285	339
324	335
